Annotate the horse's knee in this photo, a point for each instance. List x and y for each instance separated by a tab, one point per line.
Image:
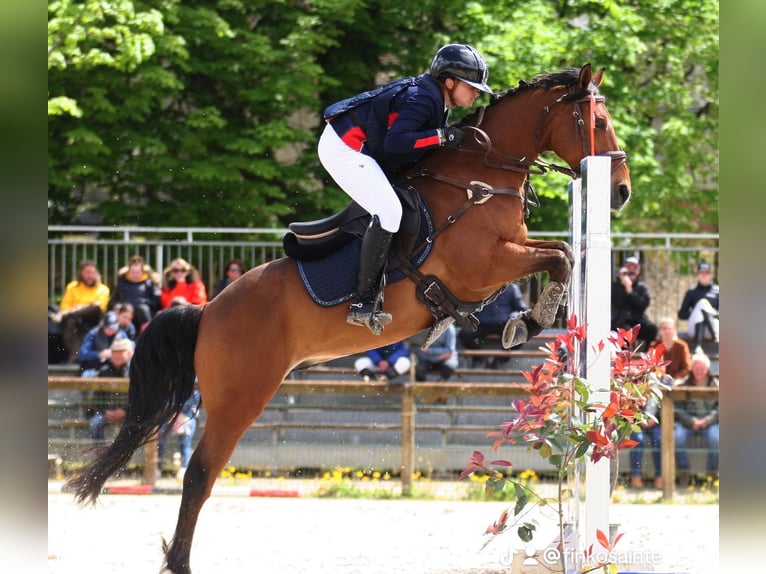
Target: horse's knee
561	269
566	249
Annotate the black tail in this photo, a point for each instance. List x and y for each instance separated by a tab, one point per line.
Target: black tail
161	380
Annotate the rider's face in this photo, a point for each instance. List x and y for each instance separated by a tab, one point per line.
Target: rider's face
464	95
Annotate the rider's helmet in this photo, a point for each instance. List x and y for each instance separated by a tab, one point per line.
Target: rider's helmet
462	62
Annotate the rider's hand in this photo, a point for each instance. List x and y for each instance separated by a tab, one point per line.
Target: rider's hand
452	136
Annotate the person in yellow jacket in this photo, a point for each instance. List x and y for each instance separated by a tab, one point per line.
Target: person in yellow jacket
84	303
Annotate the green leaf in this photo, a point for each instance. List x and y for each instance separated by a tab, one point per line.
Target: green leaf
526	531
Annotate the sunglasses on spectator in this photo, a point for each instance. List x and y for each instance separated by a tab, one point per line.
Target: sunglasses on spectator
237	269
178	270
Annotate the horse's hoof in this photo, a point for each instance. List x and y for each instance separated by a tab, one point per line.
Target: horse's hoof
515	333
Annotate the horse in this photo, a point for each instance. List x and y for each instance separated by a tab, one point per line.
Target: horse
240	346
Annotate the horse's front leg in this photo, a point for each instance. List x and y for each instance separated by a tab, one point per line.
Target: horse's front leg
562	246
521	328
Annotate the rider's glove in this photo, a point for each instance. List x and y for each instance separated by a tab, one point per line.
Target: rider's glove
451	136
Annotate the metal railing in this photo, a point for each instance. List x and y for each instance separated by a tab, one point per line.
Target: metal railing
668	259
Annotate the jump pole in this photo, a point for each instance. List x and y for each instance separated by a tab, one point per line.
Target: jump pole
590	300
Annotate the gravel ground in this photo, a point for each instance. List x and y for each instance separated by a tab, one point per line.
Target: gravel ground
348	536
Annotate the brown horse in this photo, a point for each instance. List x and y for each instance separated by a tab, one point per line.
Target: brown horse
243	344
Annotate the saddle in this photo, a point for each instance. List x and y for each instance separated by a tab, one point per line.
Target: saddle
327	251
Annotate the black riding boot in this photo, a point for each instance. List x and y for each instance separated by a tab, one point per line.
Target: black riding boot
711	323
372	261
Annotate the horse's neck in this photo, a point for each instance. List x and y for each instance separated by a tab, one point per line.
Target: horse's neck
512	125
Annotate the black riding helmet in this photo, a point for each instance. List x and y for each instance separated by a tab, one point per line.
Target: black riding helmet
462	62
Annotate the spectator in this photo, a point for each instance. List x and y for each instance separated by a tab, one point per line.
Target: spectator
125	315
85	300
106	410
183	427
630	299
384	363
181	285
676	351
650	436
492	320
441	356
700	307
96	346
233	270
139	285
697	417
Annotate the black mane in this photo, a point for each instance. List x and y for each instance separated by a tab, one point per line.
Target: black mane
545	80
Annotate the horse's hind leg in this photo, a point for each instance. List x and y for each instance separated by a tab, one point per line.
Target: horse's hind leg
213	452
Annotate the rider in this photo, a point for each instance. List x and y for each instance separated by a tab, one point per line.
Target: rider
371	136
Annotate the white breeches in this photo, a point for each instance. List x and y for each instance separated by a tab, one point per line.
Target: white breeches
695	317
361	177
401	366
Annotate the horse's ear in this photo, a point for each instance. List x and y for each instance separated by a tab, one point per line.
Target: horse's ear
585	77
598	76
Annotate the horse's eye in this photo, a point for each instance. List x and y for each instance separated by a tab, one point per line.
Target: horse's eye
601	123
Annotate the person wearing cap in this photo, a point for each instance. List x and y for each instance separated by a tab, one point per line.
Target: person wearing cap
108	408
96	346
700	307
630	299
373	135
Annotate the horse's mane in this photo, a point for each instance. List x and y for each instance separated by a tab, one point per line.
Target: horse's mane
545	80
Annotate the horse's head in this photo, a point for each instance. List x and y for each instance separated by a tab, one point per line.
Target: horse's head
562	112
591	132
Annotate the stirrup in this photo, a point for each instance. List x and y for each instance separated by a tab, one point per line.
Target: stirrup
364	315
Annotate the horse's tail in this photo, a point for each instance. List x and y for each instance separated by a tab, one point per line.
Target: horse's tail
161	380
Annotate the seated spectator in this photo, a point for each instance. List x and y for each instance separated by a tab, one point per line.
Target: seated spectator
139	285
183	427
233	270
106	409
385	363
700	307
697	417
85	300
181	285
441	356
96	346
125	317
492	320
650	436
630	299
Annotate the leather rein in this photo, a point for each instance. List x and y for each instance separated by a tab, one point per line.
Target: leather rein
479	192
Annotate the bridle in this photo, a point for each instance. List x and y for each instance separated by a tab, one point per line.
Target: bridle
588	140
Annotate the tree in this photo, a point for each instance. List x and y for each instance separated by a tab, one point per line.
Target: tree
207	112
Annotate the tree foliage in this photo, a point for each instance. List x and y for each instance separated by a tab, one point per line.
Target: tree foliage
206	112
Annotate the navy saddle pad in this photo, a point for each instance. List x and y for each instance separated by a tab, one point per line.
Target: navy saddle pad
332	279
